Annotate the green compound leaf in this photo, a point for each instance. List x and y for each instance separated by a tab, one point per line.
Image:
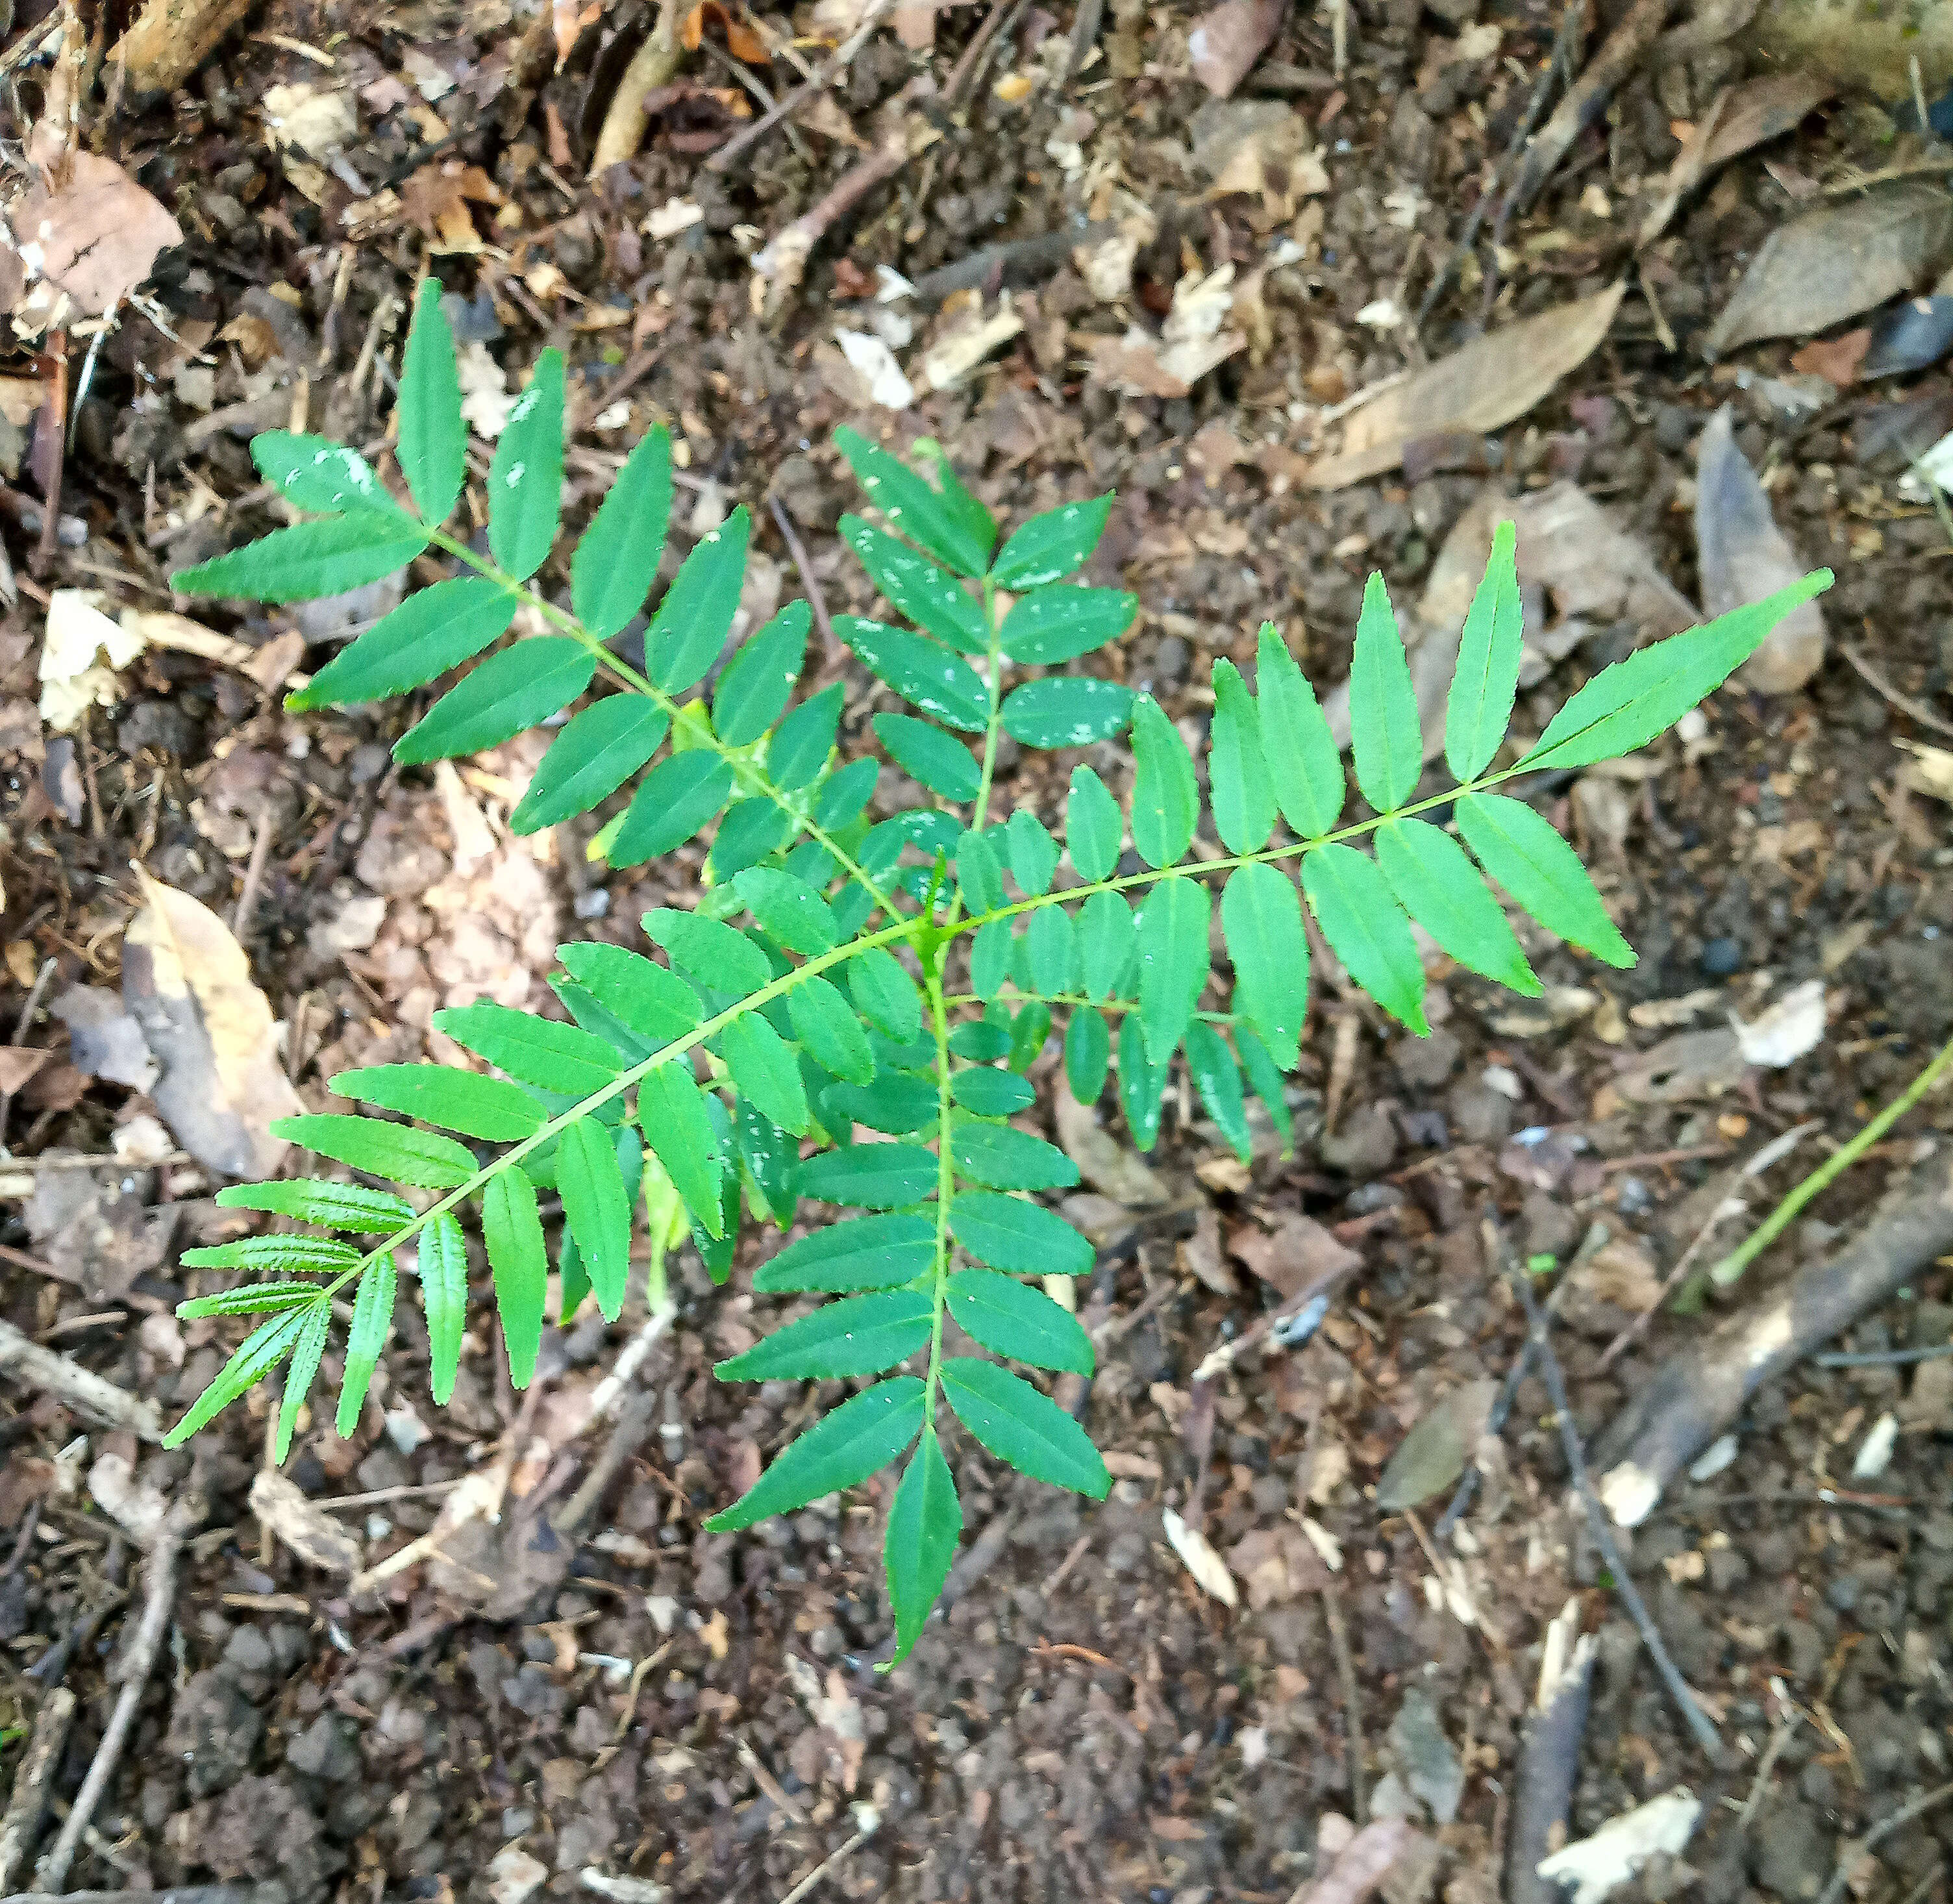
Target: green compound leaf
924	751
443	1273
1386	738
925	1523
1264	1075
560	1057
316	473
1106	933
869	1176
1052	545
333	1207
1487	679
923	673
1530	860
1004	1158
1052	944
597	1208
395	1151
687	634
799	750
1020	1426
715	954
979	874
372	1325
512	1228
1088	1053
525	478
1173	961
1072	711
491	1108
261	1352
915	586
1440	888
789	910
764	1069
1011	1233
1094	827
896	1103
829	1032
1166	795
1055	625
655	1003
252	1299
515	689
294	1254
1218	1078
1032	853
1625	707
1142	1084
757	682
863	1434
913	509
671	1113
867	1252
307	1347
1243	796
856	1335
886	994
1297	747
1261	918
327	557
433	448
590	760
1366	930
1011	1319
436	629
679	795
616	560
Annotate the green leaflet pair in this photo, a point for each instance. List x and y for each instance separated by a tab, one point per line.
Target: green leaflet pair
846	1016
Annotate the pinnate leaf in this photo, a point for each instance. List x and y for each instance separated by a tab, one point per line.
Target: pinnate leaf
865	1433
433	447
443	1274
1481	702
1440	888
525	478
1021	1426
1010	1319
512	1228
1166	795
1052	545
1297	747
925	1523
397	1151
326	557
516	688
491	1108
590	760
616	558
333	1207
432	630
856	1335
372	1325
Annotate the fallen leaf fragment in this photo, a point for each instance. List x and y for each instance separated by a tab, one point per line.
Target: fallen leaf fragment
1363	1863
1229	39
1743	117
1791	1027
1209	1570
73	680
1433	1455
81	247
1743	556
311	1533
1597	1866
1481	387
187	982
1834	262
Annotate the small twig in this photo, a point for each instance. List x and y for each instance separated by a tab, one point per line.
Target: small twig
783	1799
1779	1738
45	550
962	80
1904	703
88	1393
622	131
1549	1759
828	1865
132	1669
633	1424
743	76
1883	1830
1353	1701
830	643
27	1804
843	57
379	1496
254	874
1693	1716
1882	1358
1733	1264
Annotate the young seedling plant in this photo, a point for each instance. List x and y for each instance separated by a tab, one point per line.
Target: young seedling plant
844	1017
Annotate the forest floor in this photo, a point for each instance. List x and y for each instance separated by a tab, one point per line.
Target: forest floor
632	1703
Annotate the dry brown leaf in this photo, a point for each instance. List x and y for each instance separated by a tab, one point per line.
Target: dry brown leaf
80	245
1742	556
1300	1253
1832	263
311	1533
1198	1556
187	982
1433	1455
1743	117
1835	359
1483	387
17	1064
1691	1064
436	199
1620	1272
1102	1161
1229	39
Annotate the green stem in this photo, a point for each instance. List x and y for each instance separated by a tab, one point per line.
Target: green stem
751	779
1733	1264
980	813
945	1188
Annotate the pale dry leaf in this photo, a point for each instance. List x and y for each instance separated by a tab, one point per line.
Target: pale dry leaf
1600	1864
1229	39
1620	1272
187	982
1105	1163
1209	1570
1433	1455
1483	387
73	679
19	1062
1832	263
81	247
1745	116
955	354
1791	1027
316	1537
1742	556
1691	1064
320	121
1929	770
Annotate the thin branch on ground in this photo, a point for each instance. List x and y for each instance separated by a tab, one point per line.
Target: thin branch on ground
827	1866
1905	1815
1906	703
138	1658
1352	1701
651	66
792	102
1549	1759
83	1390
1733	1264
27	1803
830	643
254	874
1705	1734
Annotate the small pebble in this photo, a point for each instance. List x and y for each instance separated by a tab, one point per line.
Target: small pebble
593	904
1721	956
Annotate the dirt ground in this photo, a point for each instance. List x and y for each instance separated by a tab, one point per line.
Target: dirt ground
634	1703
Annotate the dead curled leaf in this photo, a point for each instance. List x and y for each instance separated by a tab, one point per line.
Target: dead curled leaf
1229	39
1433	1455
311	1533
1483	387
1209	1570
1743	556
78	243
1834	262
187	984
